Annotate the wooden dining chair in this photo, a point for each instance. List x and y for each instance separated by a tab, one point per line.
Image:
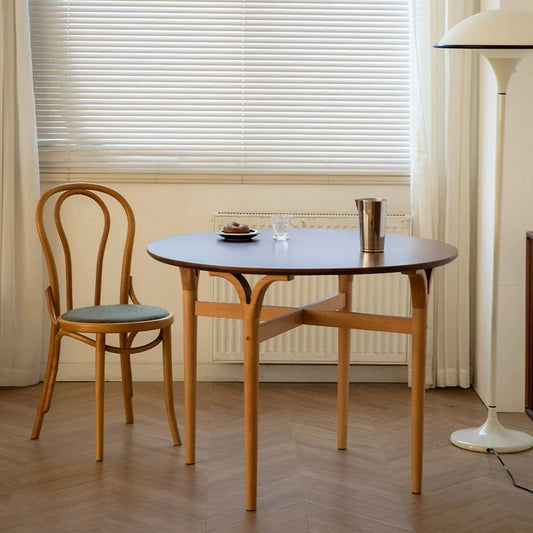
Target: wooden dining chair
122	319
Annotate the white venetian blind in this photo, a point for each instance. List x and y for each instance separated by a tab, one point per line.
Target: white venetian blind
208	89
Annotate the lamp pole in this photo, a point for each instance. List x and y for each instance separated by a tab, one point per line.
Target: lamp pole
492	435
503	37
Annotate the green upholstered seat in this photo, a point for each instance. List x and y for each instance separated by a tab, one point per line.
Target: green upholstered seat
115	313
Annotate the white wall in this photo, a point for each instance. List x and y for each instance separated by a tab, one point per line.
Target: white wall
167	209
517	218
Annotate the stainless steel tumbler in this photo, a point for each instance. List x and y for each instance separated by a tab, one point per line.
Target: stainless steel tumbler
372	213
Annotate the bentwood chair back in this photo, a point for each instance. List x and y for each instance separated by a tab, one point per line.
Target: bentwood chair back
108	327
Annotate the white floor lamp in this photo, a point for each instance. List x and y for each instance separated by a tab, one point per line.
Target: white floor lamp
503	37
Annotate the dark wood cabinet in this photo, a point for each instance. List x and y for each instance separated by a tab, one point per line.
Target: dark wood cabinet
529	323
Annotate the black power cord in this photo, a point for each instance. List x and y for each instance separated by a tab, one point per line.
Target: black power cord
492	450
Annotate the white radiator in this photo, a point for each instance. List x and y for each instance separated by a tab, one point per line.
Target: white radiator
377	293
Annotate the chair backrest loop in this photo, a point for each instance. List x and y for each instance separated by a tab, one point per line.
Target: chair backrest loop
55	199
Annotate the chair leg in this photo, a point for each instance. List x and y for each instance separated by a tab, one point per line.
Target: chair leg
53	374
127	384
127	389
99	394
49	381
169	394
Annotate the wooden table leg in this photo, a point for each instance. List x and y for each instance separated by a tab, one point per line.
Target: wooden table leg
189	280
419	281
343	366
251	425
251	304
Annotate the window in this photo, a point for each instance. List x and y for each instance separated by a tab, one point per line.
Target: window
223	91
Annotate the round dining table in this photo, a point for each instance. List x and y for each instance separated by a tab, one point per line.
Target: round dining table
307	252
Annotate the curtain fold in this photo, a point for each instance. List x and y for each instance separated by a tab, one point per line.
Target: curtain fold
21	293
442	174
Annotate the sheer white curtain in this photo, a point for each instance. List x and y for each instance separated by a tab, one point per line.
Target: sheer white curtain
442	178
21	293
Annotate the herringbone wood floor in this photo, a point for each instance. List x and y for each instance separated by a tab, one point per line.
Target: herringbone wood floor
305	484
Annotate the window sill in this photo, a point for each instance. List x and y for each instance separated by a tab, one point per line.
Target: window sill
278	179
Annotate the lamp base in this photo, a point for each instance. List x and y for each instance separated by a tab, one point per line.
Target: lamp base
492	435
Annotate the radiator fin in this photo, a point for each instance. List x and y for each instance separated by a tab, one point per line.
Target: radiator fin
381	293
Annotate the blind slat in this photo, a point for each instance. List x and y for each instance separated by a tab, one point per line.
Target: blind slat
211	86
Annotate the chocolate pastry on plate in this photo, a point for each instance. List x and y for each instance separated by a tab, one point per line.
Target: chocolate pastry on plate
235	227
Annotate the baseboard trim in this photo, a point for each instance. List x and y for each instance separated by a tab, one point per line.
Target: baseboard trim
234	372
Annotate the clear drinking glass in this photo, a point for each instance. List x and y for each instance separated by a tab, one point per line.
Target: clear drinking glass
281	222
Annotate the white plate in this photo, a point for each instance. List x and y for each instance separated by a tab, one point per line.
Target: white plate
239	236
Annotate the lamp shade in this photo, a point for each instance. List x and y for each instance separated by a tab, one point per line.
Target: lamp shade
493	29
